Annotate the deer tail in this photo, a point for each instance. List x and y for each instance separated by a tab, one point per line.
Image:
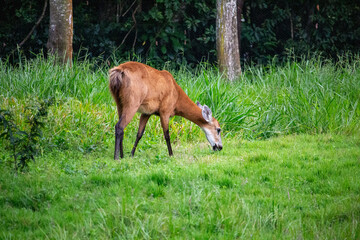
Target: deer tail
116	79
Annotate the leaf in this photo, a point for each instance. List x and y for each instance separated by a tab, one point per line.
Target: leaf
163	49
4	135
176	44
22	133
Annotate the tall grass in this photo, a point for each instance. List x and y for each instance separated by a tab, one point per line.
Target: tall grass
311	96
308	96
85	81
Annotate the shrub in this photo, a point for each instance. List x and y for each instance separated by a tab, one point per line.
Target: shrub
22	143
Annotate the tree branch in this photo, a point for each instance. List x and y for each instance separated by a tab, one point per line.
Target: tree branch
35	26
122	42
129	8
135	24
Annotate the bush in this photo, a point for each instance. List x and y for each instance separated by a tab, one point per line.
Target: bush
22	143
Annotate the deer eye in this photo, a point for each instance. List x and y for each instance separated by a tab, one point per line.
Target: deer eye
218	130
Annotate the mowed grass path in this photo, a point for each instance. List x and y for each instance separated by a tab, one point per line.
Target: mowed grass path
292	187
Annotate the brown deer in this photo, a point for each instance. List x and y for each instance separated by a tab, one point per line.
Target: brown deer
137	87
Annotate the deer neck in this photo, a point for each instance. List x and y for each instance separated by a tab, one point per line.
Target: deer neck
188	109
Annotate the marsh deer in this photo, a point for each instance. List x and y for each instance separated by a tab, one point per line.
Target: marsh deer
137	87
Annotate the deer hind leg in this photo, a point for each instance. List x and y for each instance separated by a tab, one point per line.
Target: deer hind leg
124	119
165	126
143	121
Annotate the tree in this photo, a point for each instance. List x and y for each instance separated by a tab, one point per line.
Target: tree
61	30
227	41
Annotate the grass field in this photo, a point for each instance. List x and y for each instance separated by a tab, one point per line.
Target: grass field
294	187
289	168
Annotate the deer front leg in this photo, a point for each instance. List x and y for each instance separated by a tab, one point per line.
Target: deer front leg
143	121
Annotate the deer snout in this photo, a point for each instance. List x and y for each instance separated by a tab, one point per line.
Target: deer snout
217	147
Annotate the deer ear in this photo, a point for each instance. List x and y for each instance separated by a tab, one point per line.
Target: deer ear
207	114
198	104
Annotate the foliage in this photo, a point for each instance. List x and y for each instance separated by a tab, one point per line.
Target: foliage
17	18
161	31
183	31
22	143
301	27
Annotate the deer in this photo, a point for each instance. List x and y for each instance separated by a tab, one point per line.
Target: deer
137	87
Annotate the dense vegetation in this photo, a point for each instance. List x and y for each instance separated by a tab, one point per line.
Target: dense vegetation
301	184
184	31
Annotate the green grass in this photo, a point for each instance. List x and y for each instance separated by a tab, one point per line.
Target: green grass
299	186
289	168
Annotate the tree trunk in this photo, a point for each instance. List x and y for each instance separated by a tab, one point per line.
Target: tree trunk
227	42
61	30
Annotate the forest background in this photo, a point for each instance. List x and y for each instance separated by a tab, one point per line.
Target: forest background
184	31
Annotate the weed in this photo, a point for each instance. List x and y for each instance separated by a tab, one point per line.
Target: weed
22	143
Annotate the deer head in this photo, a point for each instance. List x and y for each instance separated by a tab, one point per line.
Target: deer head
212	128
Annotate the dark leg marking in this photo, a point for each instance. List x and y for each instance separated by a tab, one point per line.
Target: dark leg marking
167	138
164	119
119	136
